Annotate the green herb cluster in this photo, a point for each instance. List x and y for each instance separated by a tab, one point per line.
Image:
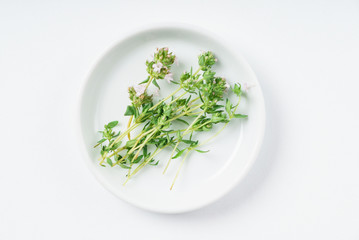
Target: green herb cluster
198	104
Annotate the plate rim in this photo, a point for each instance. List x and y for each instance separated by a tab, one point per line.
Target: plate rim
157	27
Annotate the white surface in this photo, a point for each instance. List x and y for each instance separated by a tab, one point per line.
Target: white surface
305	184
204	177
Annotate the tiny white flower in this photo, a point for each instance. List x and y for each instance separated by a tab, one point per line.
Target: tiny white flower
246	86
169	77
157	67
204	81
140	89
226	87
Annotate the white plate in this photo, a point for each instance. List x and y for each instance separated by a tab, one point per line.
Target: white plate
204	177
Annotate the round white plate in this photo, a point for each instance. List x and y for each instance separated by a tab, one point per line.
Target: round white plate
204	177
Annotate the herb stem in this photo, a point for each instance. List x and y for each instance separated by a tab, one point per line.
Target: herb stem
149	82
178	89
179	169
178	98
117	151
199	69
194	100
128	126
184	113
125	133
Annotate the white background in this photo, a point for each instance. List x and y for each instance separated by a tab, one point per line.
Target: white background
305	183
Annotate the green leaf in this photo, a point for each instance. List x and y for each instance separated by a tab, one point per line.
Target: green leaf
145	125
124	166
153	164
109	162
155	83
101	141
145	81
188	99
240	115
200	96
184	76
174	82
182	121
130	143
237	89
145	151
216	107
138	159
179	135
129	159
201	60
103	150
201	151
208	75
190	142
112	124
228	107
146	107
116	145
117	157
217	118
130	111
179	154
136	112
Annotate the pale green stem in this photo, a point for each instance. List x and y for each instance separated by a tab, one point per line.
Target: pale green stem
184	113
215	135
149	82
177	98
153	107
179	169
119	138
117	151
128	126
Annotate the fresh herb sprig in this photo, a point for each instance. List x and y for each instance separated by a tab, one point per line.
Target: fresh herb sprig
199	105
